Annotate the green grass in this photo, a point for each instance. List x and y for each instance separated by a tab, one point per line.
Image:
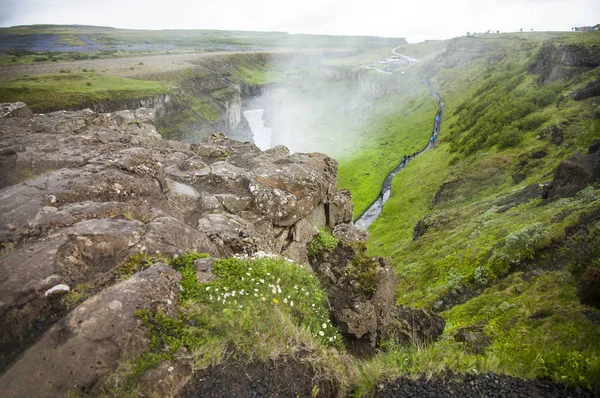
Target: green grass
254	310
472	239
400	124
67	90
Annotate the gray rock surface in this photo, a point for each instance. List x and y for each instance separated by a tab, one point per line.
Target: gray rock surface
93	339
362	301
81	191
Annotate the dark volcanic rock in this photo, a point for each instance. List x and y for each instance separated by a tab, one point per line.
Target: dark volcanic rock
418	327
562	61
574	174
558	135
473	337
478	385
284	377
589	287
592	89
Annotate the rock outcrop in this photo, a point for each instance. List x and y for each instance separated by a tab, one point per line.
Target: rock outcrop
83	191
574	174
361	292
562	61
93	339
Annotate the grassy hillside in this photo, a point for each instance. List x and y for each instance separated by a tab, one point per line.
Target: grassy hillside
71	89
488	234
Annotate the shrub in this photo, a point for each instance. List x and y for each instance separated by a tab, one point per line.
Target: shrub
510	136
520	244
88	84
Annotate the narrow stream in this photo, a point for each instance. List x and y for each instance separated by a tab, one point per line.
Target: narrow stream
263	136
374	210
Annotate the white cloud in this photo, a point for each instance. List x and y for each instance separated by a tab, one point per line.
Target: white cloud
416	20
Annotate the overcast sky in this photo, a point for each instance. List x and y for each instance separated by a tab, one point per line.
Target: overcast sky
416	20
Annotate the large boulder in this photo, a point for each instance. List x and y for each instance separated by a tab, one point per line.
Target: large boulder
589	287
361	292
574	174
94	338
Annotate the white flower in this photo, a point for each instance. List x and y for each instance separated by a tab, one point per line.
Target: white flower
207	288
248	273
324	325
321	333
291	303
262	281
285	300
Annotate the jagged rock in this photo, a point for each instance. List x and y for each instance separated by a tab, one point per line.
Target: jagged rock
410	326
301	233
8	166
361	292
94	338
473	337
589	287
350	233
82	253
88	190
204	269
558	135
234	204
428	222
592	89
209	202
562	61
357	309
286	193
574	174
15	109
229	234
341	209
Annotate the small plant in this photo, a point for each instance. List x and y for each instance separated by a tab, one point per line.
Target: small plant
88	83
520	244
324	241
132	68
76	295
587	195
135	263
140	63
64	71
84	70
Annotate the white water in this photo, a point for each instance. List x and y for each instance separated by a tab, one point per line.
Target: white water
263	136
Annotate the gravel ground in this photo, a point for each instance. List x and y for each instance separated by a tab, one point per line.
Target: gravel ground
489	385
